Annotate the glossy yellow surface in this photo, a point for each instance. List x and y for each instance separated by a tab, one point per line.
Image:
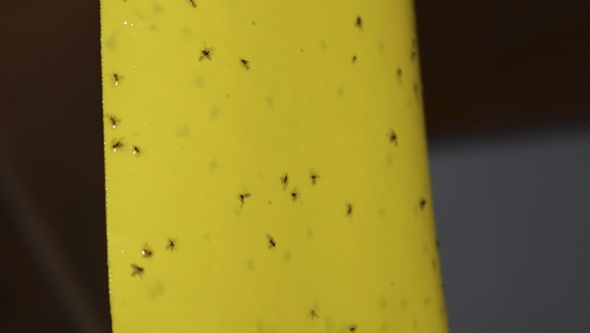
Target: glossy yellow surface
190	136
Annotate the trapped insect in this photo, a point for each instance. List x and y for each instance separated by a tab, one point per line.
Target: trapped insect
314	176
295	194
352	327
136	150
422	203
114	120
146	252
243	196
206	53
245	63
312	314
358	23
348	209
392	137
285	181
193	3
116	79
137	271
271	241
353	59
171	245
117	144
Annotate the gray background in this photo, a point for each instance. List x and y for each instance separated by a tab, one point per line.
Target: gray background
513	220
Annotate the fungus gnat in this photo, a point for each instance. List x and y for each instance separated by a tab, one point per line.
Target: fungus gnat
392	137
136	150
348	209
137	271
295	194
352	328
171	245
271	241
206	53
422	203
146	252
312	314
243	196
353	59
359	23
285	181
314	176
114	120
193	3
117	144
245	63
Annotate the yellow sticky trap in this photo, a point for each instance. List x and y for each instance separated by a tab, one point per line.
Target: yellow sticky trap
209	106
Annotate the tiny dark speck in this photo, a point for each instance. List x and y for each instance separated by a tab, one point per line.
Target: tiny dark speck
422	203
353	59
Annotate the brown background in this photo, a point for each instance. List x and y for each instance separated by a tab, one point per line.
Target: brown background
490	68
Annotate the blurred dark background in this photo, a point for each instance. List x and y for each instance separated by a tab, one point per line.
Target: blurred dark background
508	115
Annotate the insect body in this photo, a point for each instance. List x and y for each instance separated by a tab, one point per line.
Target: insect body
243	196
171	244
113	120
314	176
348	209
245	63
136	150
352	327
392	137
422	203
193	3
117	144
312	315
137	271
146	252
285	181
206	53
271	241
359	23
295	194
353	59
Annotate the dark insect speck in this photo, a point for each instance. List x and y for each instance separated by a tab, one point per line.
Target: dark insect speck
314	176
193	3
312	314
137	271
285	181
117	144
422	203
358	23
271	241
393	137
114	120
171	245
206	53
245	63
243	196
146	252
353	59
295	194
348	209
